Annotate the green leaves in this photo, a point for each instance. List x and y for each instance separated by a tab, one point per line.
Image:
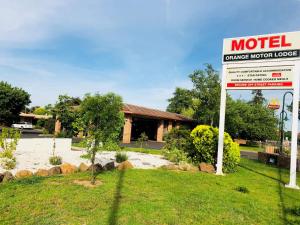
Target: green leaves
12	101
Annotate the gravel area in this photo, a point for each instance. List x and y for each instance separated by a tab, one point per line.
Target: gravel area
34	158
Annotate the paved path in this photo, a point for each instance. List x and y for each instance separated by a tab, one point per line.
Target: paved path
36	158
249	154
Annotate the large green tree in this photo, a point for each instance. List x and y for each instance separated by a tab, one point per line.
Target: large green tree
103	119
250	121
66	110
181	100
258	97
207	90
12	101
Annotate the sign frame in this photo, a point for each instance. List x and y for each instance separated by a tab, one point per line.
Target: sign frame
295	87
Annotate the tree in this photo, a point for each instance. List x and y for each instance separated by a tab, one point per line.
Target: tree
66	110
40	111
258	97
181	100
207	90
250	121
103	120
12	101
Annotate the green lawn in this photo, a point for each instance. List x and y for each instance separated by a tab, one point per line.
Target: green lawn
144	150
251	148
154	197
129	149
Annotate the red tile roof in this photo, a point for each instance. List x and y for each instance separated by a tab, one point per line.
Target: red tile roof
154	113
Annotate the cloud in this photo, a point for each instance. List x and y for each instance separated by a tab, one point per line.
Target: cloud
139	49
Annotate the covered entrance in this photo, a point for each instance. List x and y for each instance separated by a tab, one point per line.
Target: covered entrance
143	125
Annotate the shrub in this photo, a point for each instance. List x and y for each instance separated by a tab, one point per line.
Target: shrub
55	160
175	155
8	163
8	143
121	157
205	140
178	138
142	139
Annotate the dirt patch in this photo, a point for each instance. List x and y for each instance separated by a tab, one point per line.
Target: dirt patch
55	183
87	183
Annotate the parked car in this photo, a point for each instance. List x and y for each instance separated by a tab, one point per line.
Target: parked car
22	125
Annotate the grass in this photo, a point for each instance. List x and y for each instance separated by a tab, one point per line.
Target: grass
143	150
154	197
129	149
251	148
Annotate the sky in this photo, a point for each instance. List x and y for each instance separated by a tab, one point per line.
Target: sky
140	50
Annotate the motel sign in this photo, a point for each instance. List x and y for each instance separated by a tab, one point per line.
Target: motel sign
270	61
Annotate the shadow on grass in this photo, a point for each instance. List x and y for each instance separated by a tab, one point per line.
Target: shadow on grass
113	217
280	183
262	174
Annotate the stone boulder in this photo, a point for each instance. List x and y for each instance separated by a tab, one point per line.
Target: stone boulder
68	168
24	174
97	168
206	167
125	165
1	177
7	177
83	167
54	171
42	173
187	167
109	166
170	167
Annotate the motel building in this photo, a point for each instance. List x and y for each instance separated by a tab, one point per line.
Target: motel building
154	123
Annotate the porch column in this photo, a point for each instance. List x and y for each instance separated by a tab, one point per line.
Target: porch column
127	129
160	131
57	128
170	125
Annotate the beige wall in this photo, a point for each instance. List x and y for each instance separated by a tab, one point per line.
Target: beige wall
160	131
127	129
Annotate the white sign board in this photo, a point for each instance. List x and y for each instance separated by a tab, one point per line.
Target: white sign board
270	61
259	77
284	46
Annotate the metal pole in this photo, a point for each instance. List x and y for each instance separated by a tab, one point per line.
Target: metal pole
294	148
221	125
282	121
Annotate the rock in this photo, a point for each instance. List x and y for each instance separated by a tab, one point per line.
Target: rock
1	177
206	167
7	176
125	165
68	168
187	167
24	174
42	173
170	167
97	168
54	171
83	167
109	166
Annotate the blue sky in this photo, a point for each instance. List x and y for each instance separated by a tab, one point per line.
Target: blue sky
139	49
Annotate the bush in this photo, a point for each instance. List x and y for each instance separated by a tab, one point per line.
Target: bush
55	160
8	163
121	157
142	140
178	138
175	155
8	143
205	140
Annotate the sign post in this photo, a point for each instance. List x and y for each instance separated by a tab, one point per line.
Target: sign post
270	62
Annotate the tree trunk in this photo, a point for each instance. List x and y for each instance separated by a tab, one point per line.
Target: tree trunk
93	180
